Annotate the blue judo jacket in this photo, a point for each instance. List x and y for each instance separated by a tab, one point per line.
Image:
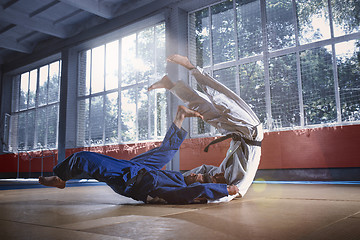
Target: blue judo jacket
142	176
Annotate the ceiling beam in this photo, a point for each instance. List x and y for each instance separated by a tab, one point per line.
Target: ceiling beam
12	44
9	4
36	24
44	8
129	6
96	7
7	28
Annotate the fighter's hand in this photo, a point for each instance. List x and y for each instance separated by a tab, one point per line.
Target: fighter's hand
232	189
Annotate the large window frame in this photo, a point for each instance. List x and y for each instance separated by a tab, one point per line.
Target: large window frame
126	81
34	118
264	58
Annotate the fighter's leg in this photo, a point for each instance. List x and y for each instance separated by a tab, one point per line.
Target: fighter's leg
158	157
236	115
165	82
181	60
195	100
98	166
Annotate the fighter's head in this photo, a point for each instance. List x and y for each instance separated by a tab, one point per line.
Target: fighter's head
204	178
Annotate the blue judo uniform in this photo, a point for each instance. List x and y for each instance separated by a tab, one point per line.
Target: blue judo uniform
142	176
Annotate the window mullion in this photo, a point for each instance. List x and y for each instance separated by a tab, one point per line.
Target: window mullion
148	94
119	92
36	114
136	90
26	116
237	76
47	105
298	66
335	71
266	65
104	98
212	129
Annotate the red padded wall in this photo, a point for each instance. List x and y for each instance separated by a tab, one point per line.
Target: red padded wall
329	147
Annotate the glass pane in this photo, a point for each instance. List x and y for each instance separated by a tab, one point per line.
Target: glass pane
145	59
128	115
15	98
249	27
14	133
41	127
280	24
227	76
198	125
313	20
83	124
112	65
318	86
160	60
30	129
111	118
223	33
53	120
200	38
161	117
348	65
97	69
43	82
252	87
128	60
24	90
32	88
152	115
84	73
22	131
158	117
345	17
54	82
96	120
143	114
284	92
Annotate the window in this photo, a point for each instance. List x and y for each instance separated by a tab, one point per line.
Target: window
295	62
35	108
114	105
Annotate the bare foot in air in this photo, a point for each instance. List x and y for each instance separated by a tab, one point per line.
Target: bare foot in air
165	82
53	181
182	60
184	112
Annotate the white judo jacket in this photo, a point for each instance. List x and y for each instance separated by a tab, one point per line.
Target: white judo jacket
227	112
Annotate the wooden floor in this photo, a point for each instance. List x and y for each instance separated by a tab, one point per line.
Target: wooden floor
269	211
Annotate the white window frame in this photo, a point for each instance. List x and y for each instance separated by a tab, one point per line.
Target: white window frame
265	56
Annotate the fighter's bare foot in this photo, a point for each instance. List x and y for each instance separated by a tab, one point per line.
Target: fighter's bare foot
182	60
165	82
53	181
186	112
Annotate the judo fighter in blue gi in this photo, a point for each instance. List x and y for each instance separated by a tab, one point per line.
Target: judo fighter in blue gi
141	178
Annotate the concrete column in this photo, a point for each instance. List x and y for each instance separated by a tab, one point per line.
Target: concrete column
67	108
176	42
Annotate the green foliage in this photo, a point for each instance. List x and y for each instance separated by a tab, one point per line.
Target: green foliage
316	66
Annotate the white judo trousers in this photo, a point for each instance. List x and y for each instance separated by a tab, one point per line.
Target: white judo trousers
227	112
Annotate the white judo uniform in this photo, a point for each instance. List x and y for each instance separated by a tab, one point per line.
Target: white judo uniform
227	112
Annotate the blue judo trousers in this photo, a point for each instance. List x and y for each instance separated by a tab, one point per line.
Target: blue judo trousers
142	176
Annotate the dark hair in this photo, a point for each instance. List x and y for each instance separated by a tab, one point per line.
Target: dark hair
207	178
